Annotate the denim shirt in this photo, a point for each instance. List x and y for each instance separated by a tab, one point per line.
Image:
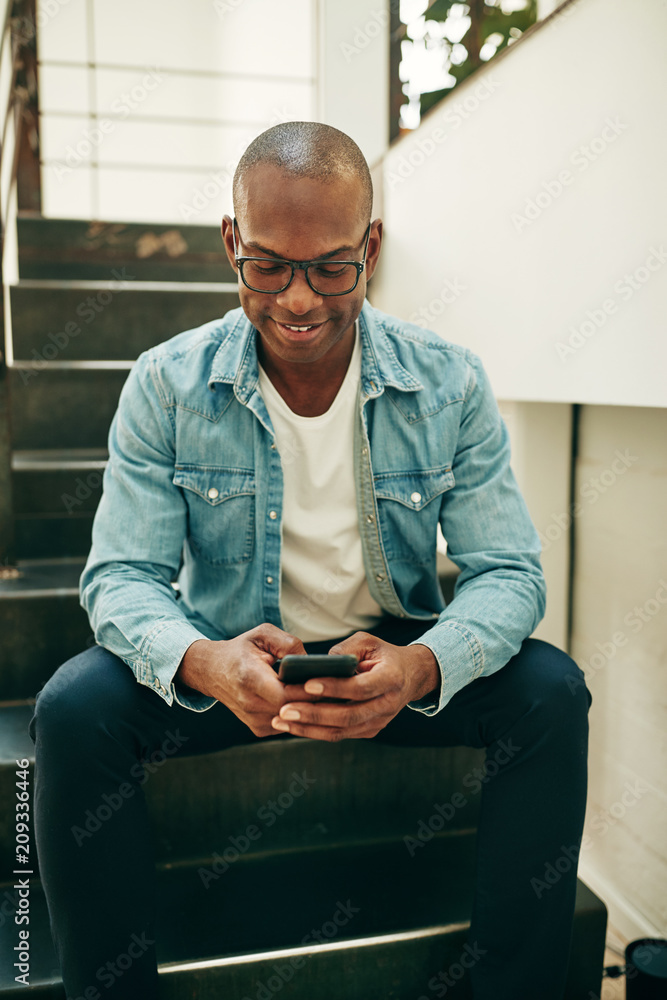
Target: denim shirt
193	494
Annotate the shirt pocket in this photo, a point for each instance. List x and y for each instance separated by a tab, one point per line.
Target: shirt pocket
409	506
221	512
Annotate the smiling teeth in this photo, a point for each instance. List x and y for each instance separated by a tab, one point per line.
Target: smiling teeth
298	329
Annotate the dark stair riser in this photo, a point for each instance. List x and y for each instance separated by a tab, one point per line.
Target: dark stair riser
55	490
53	537
70	248
63	408
38	634
76	324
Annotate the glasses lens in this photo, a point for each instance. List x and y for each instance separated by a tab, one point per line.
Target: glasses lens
332	277
266	277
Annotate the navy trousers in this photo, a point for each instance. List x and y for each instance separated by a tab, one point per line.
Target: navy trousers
93	724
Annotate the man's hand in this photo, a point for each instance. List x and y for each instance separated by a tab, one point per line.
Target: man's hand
239	673
390	676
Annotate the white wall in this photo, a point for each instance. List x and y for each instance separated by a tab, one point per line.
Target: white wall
620	642
146	107
353	79
182	85
535	257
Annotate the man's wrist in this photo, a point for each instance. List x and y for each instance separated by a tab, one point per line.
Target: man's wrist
192	670
426	671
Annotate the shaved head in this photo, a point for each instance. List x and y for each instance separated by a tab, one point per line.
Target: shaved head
305	149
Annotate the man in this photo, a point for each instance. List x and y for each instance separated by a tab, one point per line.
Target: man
308	445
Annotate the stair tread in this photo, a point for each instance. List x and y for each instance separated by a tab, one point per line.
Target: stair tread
58	576
132	286
28	459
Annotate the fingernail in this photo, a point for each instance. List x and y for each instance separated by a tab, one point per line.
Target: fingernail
290	713
314	687
279	724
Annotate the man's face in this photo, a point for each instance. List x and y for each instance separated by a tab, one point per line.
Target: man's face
302	219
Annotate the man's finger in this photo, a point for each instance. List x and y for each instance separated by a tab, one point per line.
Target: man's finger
361	644
362	687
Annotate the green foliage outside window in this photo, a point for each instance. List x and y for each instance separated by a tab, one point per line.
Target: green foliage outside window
493	24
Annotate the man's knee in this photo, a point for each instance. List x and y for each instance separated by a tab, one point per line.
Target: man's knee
82	692
551	680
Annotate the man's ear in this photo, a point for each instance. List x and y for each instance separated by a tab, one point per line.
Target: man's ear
374	244
227	230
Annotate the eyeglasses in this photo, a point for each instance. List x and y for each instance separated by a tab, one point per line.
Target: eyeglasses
325	277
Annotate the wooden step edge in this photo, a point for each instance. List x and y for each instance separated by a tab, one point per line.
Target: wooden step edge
44	366
59	460
125	283
347	944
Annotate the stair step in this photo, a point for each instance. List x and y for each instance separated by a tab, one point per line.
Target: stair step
399	922
357	792
42	624
59	482
65	407
53	536
71	248
108	320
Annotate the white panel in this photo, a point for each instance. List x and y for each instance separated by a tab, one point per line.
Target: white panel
541	439
620	642
207	98
70	196
172	144
61	30
252	37
165	196
63	88
354	71
69	140
457	193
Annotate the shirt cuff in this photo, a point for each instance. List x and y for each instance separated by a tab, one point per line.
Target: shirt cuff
165	647
460	659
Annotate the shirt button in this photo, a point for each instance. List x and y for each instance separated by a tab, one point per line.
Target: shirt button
273	446
212	493
364	451
273	515
415	497
379	577
269	579
370	518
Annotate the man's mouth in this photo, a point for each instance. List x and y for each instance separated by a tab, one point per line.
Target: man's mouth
299	328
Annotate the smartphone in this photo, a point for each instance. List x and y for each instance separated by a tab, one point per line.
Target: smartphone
298	669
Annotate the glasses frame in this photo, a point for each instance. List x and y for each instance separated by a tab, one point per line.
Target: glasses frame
300	265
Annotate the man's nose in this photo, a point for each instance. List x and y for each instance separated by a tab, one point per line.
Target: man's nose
299	298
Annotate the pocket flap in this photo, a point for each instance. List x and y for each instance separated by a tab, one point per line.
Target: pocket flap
214	484
413	489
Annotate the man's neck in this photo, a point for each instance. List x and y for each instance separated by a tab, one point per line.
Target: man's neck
310	388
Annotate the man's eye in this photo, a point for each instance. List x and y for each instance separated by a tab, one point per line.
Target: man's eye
268	268
332	270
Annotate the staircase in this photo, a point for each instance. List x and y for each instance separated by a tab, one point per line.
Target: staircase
89	298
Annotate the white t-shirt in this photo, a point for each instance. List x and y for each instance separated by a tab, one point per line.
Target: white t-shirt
323	588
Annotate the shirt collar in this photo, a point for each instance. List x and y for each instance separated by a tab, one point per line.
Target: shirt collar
235	361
